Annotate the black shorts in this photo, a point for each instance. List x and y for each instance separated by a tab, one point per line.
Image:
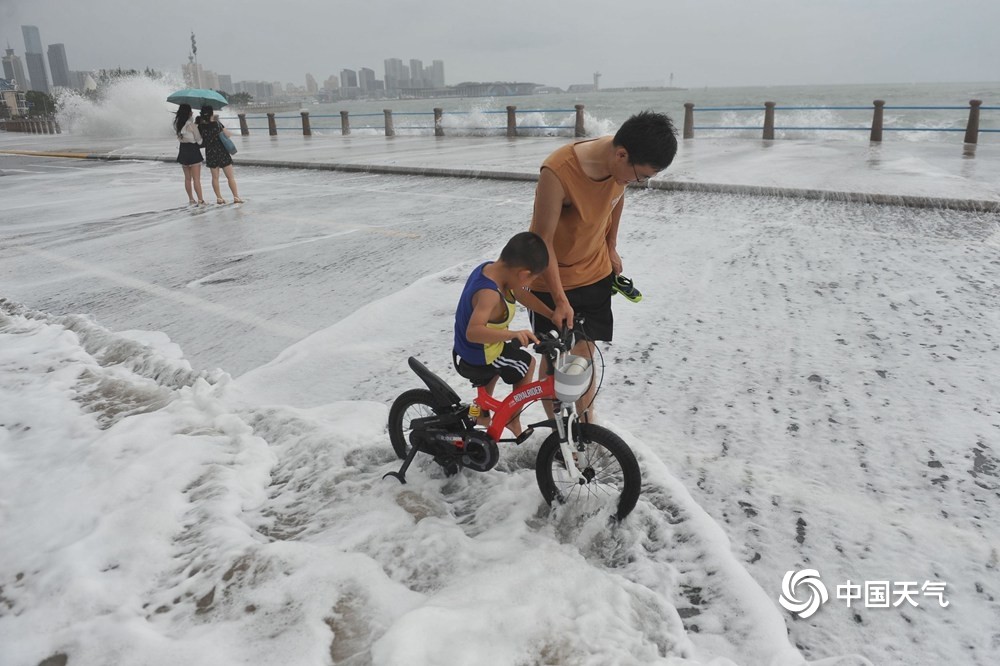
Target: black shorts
592	302
189	154
512	365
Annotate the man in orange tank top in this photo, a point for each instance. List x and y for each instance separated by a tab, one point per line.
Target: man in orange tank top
578	205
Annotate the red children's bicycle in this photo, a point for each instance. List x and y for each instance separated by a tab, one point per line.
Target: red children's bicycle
578	463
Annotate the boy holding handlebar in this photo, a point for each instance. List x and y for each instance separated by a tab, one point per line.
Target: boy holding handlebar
485	348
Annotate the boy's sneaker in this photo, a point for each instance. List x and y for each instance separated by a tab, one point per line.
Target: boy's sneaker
624	286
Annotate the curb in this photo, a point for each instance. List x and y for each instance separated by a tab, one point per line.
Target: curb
899	200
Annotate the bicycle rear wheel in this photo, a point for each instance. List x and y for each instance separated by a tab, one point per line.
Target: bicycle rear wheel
610	474
413	404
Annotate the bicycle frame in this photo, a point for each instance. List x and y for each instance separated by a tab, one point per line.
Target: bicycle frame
504	410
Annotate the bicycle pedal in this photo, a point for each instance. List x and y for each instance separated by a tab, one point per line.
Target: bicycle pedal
520	439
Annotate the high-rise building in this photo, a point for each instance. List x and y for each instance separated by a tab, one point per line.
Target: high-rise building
416	73
393	73
194	75
311	86
437	74
59	66
348	78
366	79
13	70
209	79
226	83
32	39
258	90
331	83
35	58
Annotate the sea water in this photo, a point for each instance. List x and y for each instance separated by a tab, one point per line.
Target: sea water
605	111
138	106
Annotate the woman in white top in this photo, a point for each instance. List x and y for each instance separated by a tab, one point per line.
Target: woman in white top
189	154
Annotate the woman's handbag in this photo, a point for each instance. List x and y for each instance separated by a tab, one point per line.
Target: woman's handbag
227	143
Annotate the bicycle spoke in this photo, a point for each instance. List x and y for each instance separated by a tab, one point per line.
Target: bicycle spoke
608	473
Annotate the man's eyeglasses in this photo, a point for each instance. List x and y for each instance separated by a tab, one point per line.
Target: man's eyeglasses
639	179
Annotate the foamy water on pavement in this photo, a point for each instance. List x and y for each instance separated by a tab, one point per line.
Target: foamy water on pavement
194	407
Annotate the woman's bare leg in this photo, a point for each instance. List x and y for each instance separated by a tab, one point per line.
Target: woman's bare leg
228	170
215	186
196	178
188	182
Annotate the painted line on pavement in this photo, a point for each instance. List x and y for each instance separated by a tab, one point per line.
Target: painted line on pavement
226	312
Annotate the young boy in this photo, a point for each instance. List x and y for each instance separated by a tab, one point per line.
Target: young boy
485	349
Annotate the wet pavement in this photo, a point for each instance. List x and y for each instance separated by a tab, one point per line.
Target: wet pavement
903	172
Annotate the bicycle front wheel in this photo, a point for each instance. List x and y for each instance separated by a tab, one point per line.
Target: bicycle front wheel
609	472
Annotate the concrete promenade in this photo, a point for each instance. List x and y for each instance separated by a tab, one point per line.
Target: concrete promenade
932	174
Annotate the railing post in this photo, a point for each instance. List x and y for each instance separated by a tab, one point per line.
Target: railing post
579	131
972	129
306	129
272	127
877	120
768	121
389	129
511	121
244	128
345	123
688	120
438	127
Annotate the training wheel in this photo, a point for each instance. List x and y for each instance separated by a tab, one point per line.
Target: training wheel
396	475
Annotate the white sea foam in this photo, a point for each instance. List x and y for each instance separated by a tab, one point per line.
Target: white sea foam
806	384
128	107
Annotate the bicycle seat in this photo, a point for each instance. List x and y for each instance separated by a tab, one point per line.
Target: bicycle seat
441	391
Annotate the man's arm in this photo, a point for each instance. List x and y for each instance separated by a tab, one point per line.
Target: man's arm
549	196
530	301
484	303
612	238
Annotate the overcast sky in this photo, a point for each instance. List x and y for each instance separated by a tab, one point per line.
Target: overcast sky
702	42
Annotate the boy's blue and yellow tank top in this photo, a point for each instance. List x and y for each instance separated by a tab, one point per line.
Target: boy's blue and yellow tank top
471	352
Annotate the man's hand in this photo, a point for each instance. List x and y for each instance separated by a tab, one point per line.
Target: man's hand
616	261
563	315
524	337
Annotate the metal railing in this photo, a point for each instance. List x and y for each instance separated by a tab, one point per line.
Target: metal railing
511	129
876	129
37	125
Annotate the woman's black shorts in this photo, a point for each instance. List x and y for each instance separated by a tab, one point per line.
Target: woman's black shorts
189	154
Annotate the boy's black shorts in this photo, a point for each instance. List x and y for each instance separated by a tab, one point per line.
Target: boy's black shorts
592	302
512	365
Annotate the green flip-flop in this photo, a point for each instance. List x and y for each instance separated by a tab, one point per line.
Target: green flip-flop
624	286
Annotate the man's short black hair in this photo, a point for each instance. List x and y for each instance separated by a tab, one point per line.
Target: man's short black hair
526	250
650	138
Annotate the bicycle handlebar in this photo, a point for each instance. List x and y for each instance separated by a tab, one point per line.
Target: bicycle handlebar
561	341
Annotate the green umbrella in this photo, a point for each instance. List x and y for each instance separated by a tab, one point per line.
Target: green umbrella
197	98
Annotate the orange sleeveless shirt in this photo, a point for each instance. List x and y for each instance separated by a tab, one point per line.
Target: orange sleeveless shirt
580	240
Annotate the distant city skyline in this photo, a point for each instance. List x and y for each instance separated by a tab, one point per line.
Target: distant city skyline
350	84
709	43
